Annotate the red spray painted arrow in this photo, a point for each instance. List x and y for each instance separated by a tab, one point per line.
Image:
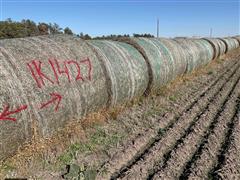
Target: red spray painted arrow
55	97
6	113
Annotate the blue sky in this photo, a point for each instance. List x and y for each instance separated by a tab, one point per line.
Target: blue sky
103	17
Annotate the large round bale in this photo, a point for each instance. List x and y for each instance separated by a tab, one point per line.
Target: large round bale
222	47
13	97
236	43
238	39
126	70
167	64
215	44
194	53
46	82
177	55
90	103
161	62
206	50
231	43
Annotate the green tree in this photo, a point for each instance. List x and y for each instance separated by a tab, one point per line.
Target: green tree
143	35
85	37
10	29
30	27
43	29
81	35
26	27
54	28
68	31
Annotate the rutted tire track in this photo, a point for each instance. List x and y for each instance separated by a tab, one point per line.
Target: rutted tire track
138	167
183	151
123	160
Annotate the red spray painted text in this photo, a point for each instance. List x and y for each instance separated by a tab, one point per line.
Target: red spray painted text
36	68
58	69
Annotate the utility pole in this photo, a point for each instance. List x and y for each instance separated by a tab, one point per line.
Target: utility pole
158	28
211	32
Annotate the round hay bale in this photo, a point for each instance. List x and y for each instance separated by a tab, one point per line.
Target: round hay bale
161	63
236	42
141	50
231	43
46	82
222	47
238	39
215	44
126	69
178	55
193	53
12	133
206	49
167	68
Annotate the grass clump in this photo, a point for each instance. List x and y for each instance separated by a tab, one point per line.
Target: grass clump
173	98
98	140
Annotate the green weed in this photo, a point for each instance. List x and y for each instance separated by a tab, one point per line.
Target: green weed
173	98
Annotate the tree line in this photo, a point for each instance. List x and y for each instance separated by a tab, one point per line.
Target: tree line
28	28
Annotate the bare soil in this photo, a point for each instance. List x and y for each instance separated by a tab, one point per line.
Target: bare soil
228	164
207	155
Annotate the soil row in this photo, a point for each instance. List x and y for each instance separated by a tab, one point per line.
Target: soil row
206	156
228	166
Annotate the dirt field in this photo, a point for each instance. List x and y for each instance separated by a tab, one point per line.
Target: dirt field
190	130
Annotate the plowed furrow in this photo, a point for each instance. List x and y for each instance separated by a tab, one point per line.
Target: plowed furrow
206	85
139	168
184	149
228	166
206	156
123	160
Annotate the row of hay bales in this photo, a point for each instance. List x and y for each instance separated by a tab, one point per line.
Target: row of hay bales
33	69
